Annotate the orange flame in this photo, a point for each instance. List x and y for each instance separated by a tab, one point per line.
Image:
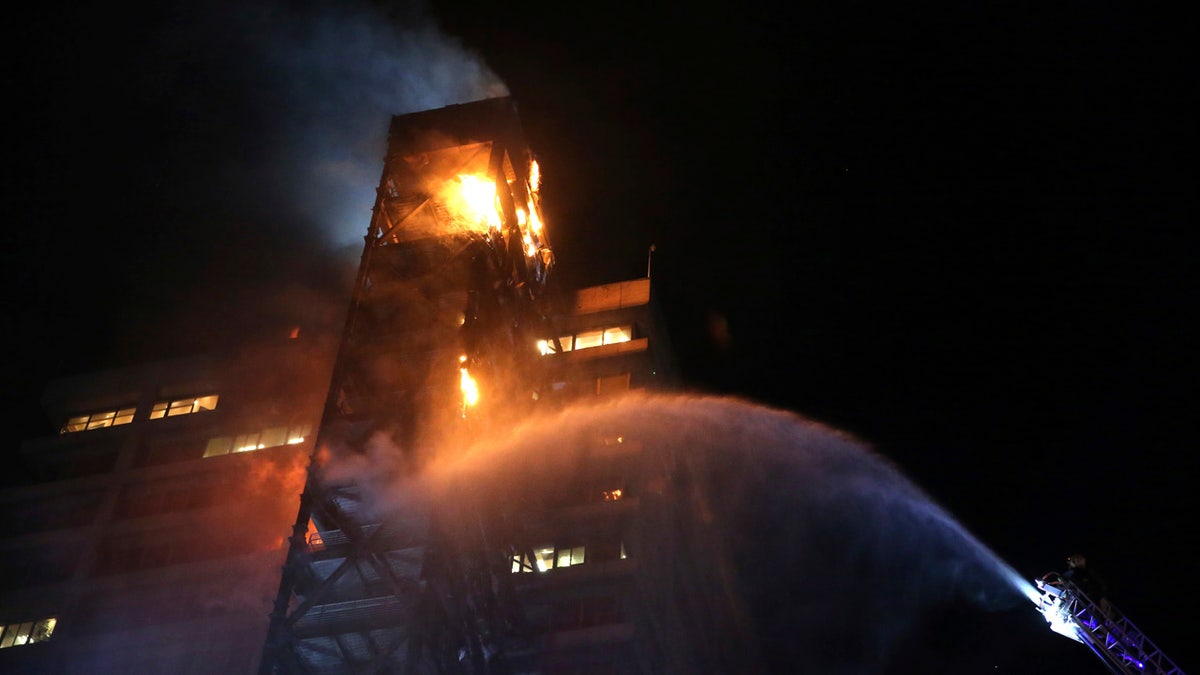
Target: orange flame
535	222
471	201
470	389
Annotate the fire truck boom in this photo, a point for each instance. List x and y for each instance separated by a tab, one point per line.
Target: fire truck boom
1102	628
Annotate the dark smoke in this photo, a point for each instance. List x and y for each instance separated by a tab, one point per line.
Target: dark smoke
270	124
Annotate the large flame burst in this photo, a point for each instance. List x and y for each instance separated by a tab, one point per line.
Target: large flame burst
472	202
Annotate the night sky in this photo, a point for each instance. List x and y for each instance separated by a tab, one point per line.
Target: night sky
960	233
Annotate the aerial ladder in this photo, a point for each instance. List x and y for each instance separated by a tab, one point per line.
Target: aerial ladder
1102	628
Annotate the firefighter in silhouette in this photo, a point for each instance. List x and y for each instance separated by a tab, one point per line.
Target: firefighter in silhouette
1079	575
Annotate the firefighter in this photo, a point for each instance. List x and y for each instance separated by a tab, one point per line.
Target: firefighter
1079	575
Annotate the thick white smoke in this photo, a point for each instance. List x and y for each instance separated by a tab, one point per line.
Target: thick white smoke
836	556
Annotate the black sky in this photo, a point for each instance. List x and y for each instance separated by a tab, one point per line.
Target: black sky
962	233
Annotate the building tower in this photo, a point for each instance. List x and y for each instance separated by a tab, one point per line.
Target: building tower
451	335
444	311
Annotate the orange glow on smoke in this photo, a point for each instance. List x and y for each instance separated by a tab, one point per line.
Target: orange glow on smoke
322	456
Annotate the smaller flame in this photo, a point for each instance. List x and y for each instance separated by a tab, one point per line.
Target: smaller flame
535	176
470	389
534	221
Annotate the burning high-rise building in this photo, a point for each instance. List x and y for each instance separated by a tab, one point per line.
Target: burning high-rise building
452	338
154	532
487	482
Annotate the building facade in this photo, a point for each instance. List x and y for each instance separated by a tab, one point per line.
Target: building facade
151	531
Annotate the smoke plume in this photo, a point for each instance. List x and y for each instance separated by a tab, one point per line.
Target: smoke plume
271	129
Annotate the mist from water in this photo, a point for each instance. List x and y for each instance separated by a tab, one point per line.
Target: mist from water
836	554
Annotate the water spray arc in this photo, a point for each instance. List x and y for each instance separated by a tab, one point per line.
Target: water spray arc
503	482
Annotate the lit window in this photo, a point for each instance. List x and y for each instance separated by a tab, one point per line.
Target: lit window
587	339
570	556
543	558
27	633
546	558
592	338
221	445
297	434
273	437
183	406
258	440
100	420
247	442
618	334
